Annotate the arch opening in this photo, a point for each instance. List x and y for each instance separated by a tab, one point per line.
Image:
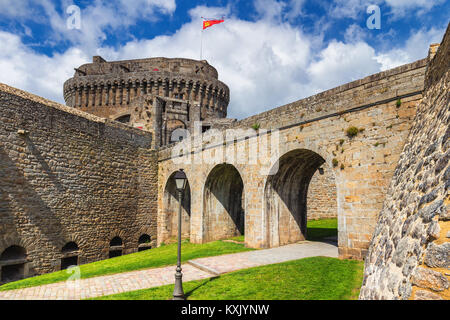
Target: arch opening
115	247
69	255
286	195
171	207
144	242
124	119
174	131
223	204
13	262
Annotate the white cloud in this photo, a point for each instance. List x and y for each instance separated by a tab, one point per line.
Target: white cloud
261	62
275	10
416	47
398	8
340	61
96	18
265	63
36	73
269	9
355	33
402	7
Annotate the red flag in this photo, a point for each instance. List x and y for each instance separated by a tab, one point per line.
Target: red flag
209	23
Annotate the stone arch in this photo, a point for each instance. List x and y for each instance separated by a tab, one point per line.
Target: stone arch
15	240
70	252
144	242
171	208
285	196
81	241
223	203
13	264
172	131
127	247
125	118
116	247
322	197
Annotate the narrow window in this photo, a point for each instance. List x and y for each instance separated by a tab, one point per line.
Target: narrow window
69	255
144	242
115	247
12	263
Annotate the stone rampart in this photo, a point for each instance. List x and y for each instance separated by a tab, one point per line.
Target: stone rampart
68	176
409	251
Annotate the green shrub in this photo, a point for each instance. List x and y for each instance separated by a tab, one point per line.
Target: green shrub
398	103
256	126
335	162
352	131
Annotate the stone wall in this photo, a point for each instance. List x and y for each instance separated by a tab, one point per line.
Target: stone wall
382	107
107	89
403	80
409	252
69	176
322	195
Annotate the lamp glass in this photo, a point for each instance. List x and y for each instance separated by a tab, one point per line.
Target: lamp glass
180	180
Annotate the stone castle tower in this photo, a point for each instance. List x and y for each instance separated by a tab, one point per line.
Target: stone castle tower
158	95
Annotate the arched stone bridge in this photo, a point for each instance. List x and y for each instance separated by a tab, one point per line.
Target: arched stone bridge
231	194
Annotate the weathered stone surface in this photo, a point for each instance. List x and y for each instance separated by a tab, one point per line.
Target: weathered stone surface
414	226
159	95
426	295
435	209
434	230
437	256
429	279
71	177
275	208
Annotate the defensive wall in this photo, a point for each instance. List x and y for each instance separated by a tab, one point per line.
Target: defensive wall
409	252
310	137
70	183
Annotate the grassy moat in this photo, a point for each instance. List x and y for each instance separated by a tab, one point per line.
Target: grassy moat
316	278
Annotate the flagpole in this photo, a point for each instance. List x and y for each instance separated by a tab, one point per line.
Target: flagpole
201	45
204	26
201	41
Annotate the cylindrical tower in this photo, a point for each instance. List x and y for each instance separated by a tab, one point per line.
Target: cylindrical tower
107	89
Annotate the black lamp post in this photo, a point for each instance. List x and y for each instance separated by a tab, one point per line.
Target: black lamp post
180	181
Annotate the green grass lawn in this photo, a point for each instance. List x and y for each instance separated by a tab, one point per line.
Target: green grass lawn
164	256
157	257
319	229
316	278
238	238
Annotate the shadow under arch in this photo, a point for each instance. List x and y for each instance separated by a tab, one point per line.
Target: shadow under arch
223	200
171	207
285	197
13	264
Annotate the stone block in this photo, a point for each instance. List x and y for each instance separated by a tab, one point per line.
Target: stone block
429	279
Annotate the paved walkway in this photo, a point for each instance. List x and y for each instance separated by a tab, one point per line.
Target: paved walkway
193	270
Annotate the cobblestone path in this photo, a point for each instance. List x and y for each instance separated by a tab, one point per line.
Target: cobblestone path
193	270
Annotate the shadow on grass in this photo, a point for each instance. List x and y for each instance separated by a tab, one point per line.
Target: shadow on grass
319	234
189	293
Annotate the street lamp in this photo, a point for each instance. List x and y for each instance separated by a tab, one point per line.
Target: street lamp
180	181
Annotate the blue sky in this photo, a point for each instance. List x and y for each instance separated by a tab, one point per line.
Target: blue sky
268	52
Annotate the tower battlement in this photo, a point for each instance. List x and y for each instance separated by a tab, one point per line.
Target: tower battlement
107	89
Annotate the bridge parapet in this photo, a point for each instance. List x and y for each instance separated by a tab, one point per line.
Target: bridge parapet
381	108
